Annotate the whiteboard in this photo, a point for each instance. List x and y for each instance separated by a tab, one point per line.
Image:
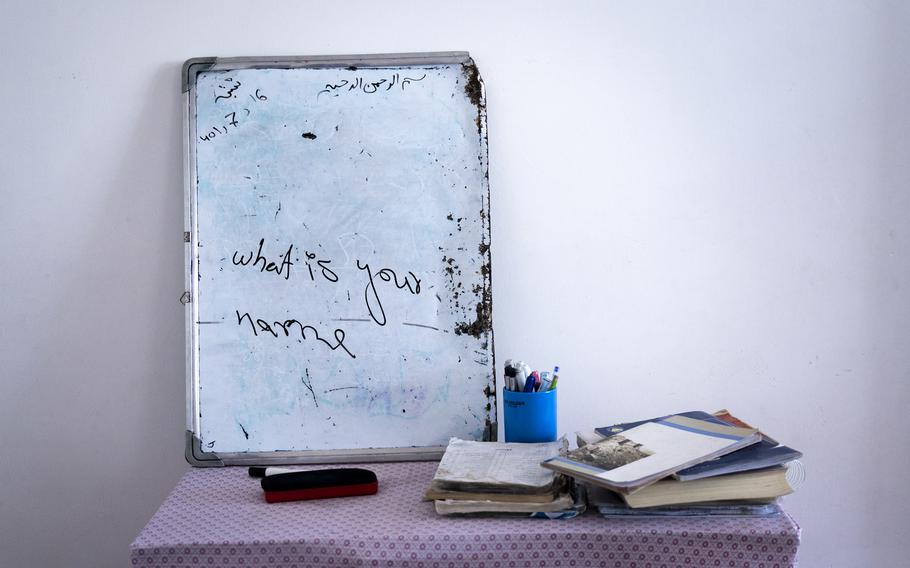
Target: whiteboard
338	292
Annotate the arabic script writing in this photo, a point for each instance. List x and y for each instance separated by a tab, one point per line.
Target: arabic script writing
369	87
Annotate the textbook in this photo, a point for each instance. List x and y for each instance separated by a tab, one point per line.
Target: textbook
496	467
463	507
766	453
609	504
434	492
762	484
758	456
493	478
640	456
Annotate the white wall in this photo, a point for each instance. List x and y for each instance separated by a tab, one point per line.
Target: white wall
695	205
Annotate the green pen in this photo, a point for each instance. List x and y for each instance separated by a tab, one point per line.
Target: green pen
555	377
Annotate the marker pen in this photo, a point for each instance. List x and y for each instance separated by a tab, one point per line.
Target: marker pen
536	377
546	379
267	471
555	377
510	373
524	370
518	382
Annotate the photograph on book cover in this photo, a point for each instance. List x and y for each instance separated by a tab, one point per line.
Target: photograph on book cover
611	453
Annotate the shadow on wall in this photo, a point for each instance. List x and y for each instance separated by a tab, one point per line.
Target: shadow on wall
112	388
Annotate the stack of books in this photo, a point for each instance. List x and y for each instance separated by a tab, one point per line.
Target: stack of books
693	463
492	478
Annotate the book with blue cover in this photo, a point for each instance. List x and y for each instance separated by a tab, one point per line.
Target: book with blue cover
766	453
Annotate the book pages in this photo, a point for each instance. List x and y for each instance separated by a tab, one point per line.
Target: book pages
496	466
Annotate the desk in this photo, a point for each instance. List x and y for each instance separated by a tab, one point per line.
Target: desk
219	518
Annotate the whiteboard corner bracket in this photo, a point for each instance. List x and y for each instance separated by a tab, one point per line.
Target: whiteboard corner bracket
193	66
196	457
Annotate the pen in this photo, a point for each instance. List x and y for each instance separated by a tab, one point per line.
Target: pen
509	375
521	375
555	377
546	379
267	471
523	371
529	384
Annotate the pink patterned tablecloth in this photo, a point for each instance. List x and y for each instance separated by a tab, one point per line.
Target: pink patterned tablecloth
219	518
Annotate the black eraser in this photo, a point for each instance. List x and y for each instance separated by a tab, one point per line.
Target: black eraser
318	478
319	484
257	471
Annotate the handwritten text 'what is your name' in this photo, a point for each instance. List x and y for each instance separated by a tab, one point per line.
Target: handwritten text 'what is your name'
282	266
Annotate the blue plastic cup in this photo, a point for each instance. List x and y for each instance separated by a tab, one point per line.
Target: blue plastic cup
529	416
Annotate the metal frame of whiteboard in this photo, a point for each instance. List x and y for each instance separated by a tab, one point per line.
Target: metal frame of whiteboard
194	452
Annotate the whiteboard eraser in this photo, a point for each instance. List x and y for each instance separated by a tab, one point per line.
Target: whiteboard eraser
319	484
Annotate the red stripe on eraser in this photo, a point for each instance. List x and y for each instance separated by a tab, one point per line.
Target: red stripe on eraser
322	492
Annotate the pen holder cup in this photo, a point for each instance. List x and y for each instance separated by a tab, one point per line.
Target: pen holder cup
529	416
